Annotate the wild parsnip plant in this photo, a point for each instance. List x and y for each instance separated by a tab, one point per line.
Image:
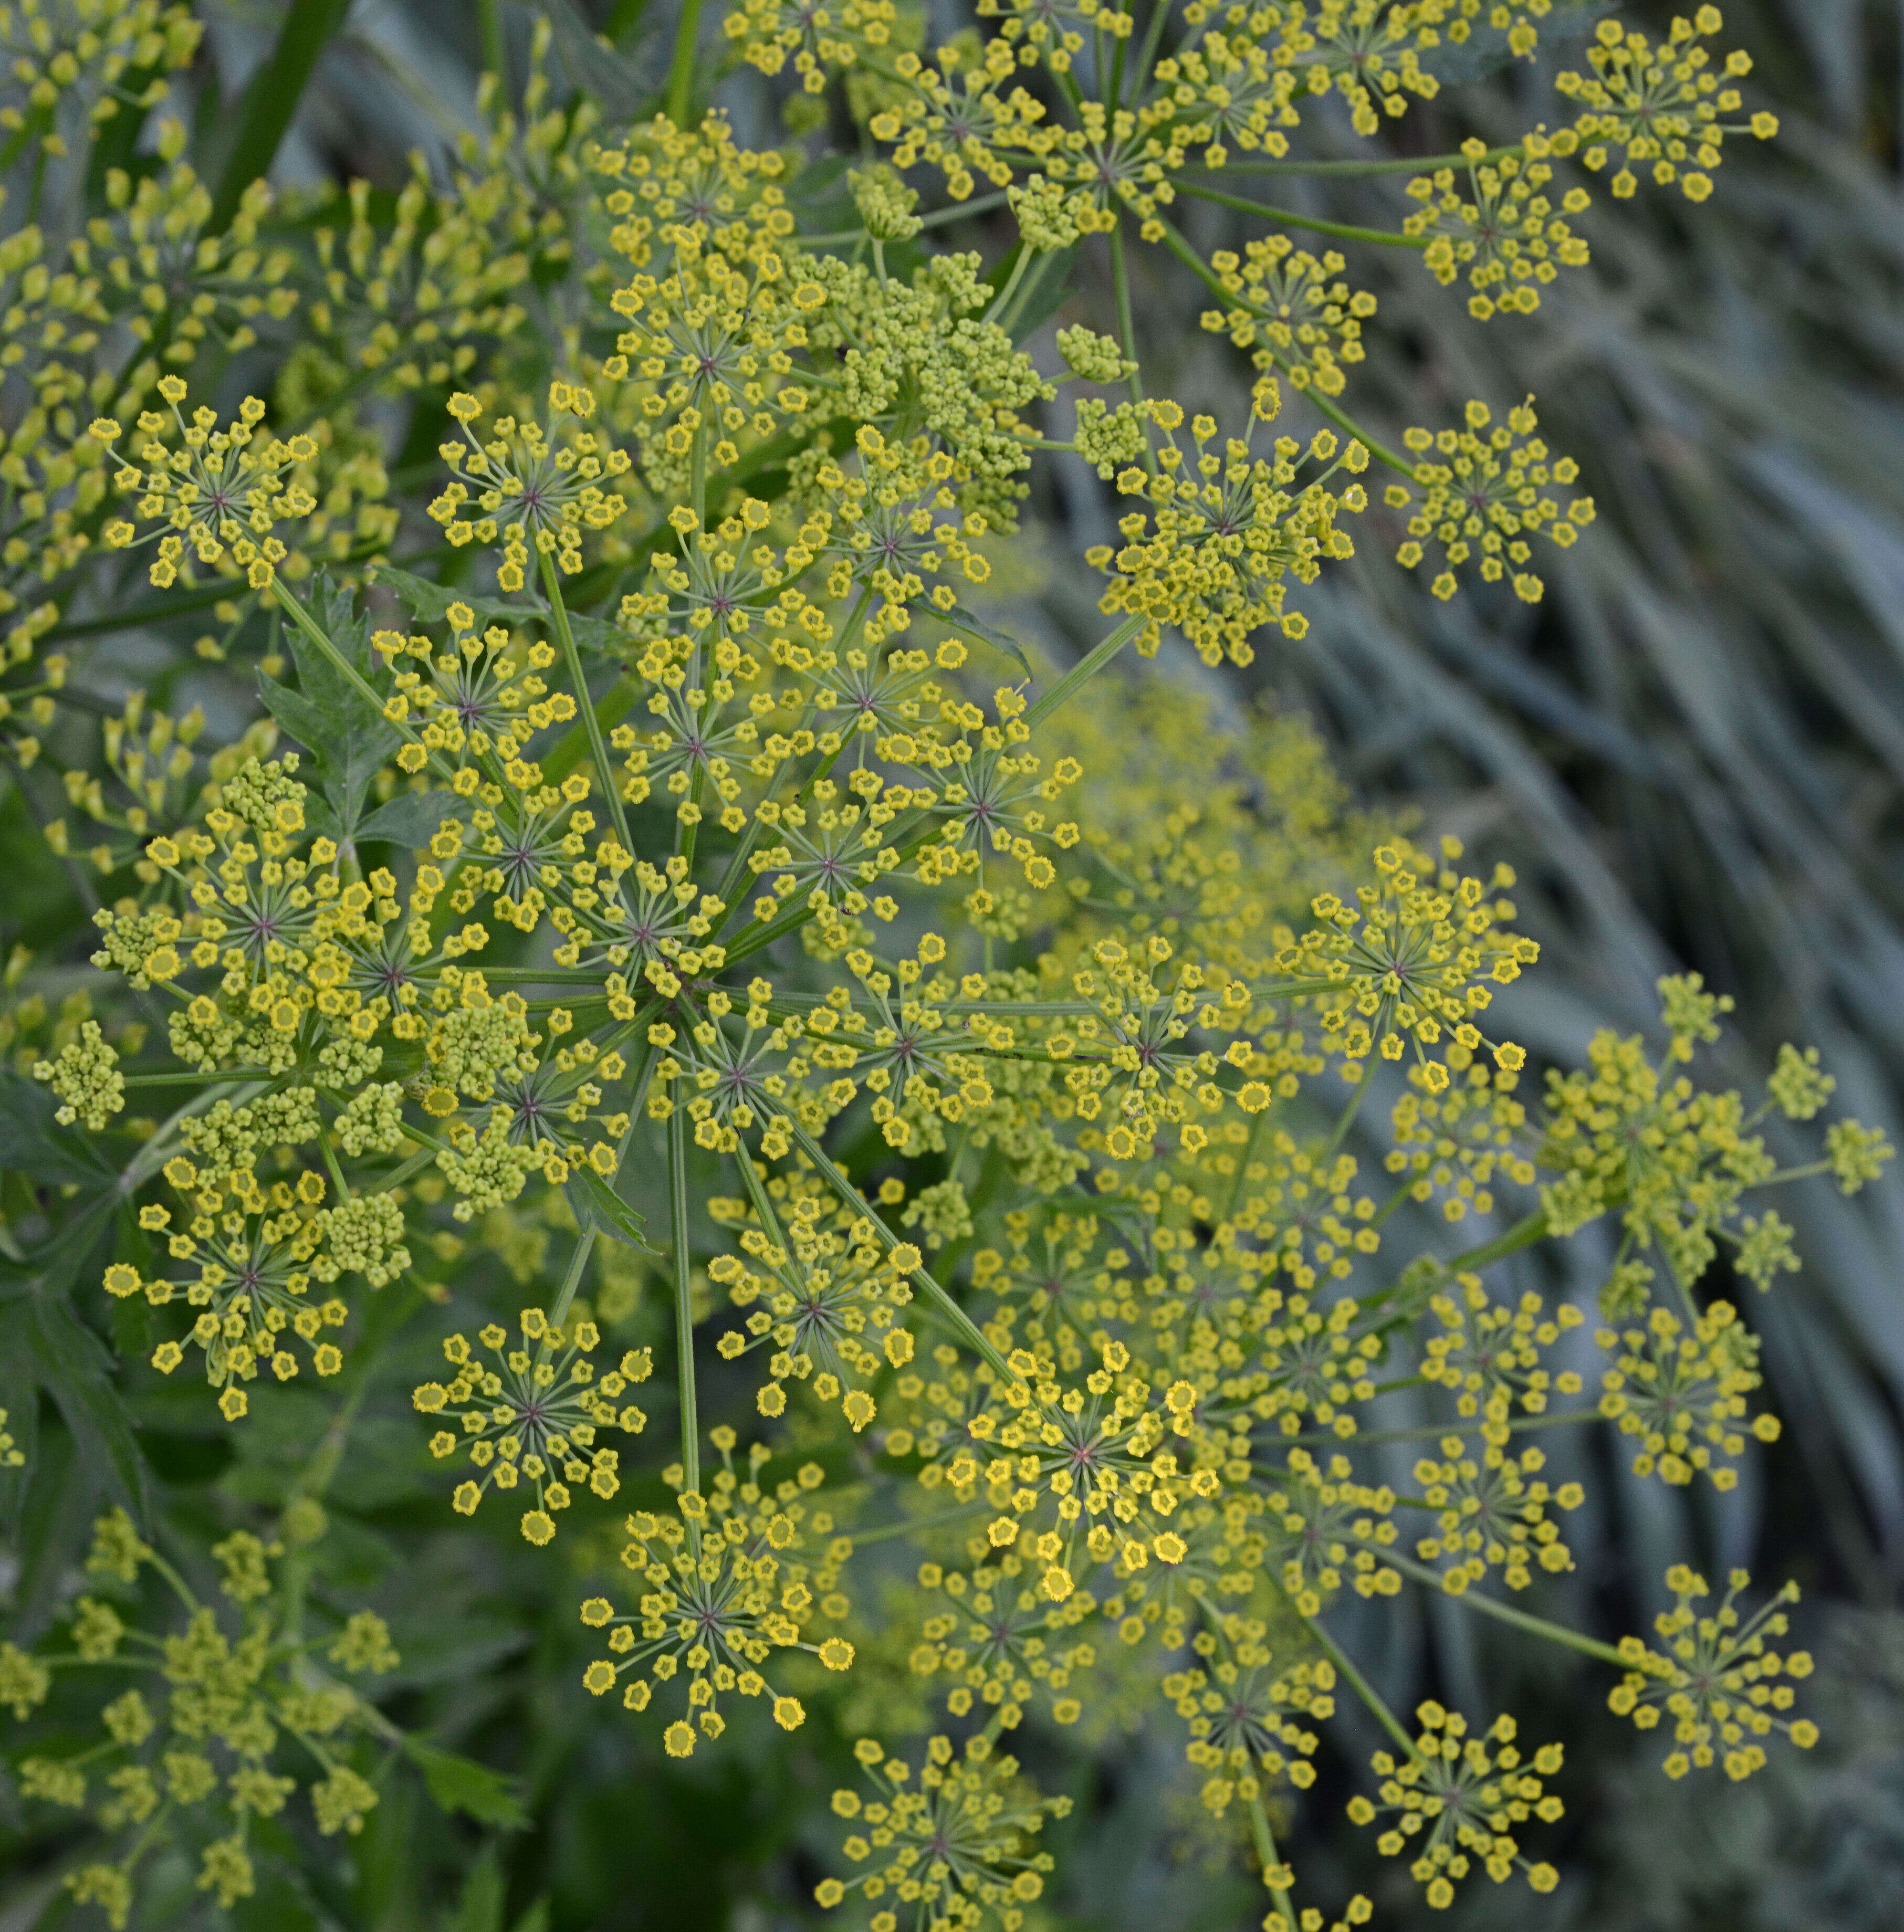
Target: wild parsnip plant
665	996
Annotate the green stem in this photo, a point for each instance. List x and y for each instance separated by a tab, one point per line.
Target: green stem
1403	466
968	1330
683	1298
495	48
152	1155
680	93
860	1538
960	211
415	1165
271	102
1022	261
195	1079
1127	324
1358	1684
1266	1850
1524	1234
1080	673
597	744
1349	1114
1387	237
1807	1172
1359	170
585	1241
1433	1432
1586	1646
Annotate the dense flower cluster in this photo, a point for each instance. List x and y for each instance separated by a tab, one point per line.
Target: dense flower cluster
217	1700
692	946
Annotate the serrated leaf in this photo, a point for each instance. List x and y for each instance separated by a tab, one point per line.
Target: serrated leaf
479	1908
347	736
48	1347
430	602
597	1205
411	817
459	1783
33	1143
961	619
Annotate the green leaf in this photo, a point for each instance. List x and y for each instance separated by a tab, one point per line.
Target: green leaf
479	1908
271	101
411	817
33	1143
459	1783
597	1205
348	737
961	619
48	1348
430	602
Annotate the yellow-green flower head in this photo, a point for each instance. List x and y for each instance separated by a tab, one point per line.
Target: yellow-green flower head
66	54
218	489
1286	307
1249	1719
1661	102
533	1416
1715	1678
957	1848
1226	531
962	123
257	1252
86	1078
1497	226
1464	1797
193	1741
1224	90
1327	1529
412	299
735	1579
822	40
1482	500
1370	54
826	1300
533	491
472	704
1412	964
1682	1393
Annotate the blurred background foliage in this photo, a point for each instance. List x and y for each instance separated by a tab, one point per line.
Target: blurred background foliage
1692	751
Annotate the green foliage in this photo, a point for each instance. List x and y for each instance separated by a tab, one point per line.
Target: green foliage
1066	1182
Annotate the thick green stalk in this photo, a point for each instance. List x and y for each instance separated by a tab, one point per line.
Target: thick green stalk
1387	237
1523	1234
1127	324
680	72
585	1241
1080	673
968	1330
597	744
1358	1684
495	48
271	101
1266	1850
683	1296
1586	1646
1362	170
